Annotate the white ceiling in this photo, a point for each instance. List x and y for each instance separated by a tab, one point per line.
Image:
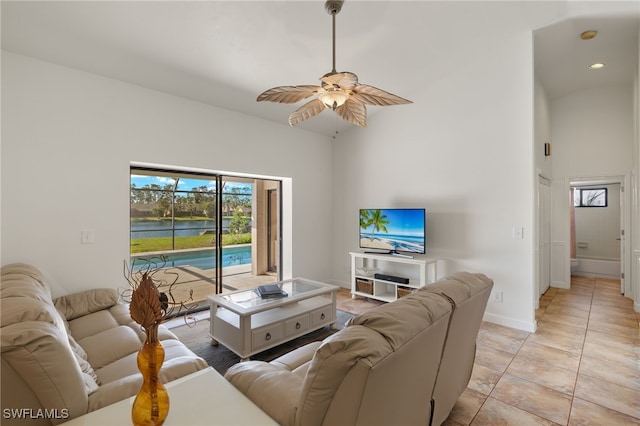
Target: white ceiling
225	53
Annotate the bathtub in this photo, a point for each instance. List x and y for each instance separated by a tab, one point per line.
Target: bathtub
598	268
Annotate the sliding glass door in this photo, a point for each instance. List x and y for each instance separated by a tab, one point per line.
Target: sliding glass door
210	233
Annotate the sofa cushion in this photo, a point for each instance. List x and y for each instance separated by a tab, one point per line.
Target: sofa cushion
14	285
92	324
21	309
86	368
175	353
86	302
110	345
21	271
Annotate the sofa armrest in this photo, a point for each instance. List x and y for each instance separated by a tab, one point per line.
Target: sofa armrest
86	302
115	391
275	390
300	356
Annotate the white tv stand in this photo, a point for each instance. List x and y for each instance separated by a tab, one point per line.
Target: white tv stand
419	270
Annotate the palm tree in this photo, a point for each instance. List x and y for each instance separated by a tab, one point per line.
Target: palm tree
377	220
365	219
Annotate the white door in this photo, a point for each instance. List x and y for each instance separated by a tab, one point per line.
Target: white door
622	254
544	234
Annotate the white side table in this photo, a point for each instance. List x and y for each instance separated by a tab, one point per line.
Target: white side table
201	398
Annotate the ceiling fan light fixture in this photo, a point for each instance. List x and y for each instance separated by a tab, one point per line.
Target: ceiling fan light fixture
596	66
334	98
339	91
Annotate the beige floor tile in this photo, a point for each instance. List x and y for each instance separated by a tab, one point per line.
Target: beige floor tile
494	412
502	338
584	413
547	326
609	395
493	358
564	342
555	357
569	310
450	422
566	319
614	329
542	372
483	379
467	407
613	372
578	299
612	349
533	398
613	316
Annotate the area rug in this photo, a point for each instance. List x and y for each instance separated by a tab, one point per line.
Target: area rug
197	339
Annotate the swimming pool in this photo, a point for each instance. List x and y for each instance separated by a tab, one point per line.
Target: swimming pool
203	259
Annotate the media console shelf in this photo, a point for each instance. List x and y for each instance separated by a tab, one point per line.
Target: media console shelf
419	270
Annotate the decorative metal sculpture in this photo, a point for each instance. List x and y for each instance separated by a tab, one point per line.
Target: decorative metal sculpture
151	302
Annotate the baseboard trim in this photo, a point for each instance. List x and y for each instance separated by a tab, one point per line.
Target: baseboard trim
510	322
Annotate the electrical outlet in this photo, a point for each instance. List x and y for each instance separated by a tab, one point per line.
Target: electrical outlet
496	296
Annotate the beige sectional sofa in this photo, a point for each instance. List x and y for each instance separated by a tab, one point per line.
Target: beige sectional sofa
64	357
403	363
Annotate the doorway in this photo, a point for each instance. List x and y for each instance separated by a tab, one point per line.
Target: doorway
597	228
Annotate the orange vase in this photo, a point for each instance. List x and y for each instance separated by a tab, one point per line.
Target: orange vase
151	405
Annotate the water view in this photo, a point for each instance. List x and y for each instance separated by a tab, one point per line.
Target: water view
186	228
205	259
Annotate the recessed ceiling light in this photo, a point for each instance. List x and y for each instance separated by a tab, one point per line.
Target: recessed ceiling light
596	66
588	35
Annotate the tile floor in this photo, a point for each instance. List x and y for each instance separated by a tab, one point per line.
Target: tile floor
581	367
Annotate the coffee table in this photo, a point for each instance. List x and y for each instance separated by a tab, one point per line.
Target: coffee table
247	324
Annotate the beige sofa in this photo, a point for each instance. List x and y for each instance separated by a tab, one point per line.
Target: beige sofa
403	363
65	357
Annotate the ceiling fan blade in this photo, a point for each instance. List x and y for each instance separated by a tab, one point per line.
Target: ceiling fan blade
373	96
354	111
289	94
344	80
308	110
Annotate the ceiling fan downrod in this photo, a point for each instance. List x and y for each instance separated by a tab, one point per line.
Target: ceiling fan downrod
333	8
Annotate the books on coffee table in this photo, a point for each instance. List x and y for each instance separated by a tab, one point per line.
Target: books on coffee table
270	290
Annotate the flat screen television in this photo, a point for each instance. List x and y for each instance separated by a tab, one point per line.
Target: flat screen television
393	230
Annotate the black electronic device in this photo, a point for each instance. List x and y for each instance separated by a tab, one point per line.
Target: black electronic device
392	278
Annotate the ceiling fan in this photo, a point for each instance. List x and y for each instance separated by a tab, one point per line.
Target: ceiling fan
339	91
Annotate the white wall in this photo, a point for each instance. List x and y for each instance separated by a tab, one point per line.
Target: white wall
463	151
68	138
593	136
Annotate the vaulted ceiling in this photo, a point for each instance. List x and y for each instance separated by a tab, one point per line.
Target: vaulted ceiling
225	53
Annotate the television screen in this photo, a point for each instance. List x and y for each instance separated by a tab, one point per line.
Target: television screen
393	230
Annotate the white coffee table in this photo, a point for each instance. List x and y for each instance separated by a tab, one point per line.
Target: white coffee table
247	324
201	398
